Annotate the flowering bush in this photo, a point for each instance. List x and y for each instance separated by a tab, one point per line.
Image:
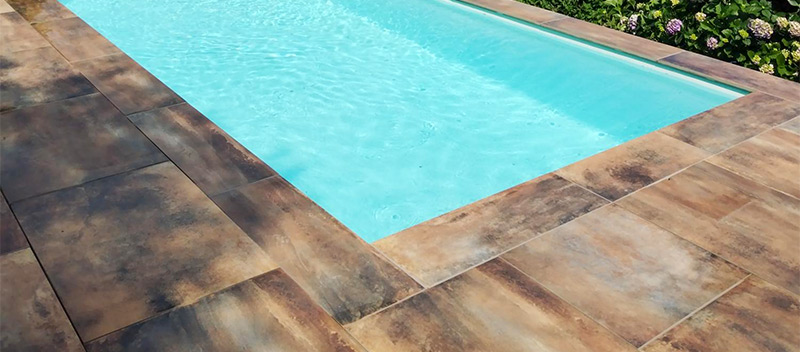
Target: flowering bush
762	35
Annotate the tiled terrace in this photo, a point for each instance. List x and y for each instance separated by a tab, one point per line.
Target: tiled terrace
132	222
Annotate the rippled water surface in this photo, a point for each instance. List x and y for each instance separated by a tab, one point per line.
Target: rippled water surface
389	113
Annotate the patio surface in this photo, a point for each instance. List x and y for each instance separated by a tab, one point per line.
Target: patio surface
131	222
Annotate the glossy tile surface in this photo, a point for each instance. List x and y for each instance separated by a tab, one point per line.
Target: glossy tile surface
75	39
38	76
40	10
621	170
747	223
630	275
755	317
11	237
736	75
339	270
493	307
66	143
129	86
208	155
16	34
722	127
445	246
33	320
613	38
772	158
123	248
267	313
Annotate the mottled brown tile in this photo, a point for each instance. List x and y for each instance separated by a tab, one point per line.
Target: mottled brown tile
733	74
339	270
11	237
16	34
722	127
33	320
615	39
445	246
632	165
270	312
208	155
38	76
792	126
747	223
493	307
66	143
517	10
126	247
129	86
40	10
630	275
755	317
75	39
772	158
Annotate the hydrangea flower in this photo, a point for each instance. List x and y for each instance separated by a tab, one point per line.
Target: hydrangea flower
633	22
796	55
785	53
675	2
700	17
712	43
756	59
767	68
693	36
760	28
657	14
674	26
782	22
794	29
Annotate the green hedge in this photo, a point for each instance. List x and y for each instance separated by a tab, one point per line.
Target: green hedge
758	34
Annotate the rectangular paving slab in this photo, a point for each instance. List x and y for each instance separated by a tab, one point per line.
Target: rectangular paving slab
40	10
16	34
75	39
267	313
124	248
630	275
66	143
11	237
493	307
343	274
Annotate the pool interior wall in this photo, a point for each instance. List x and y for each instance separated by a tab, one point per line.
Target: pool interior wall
388	114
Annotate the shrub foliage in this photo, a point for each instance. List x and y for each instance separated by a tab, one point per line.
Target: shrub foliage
759	34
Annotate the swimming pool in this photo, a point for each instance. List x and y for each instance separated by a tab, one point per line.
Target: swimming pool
391	113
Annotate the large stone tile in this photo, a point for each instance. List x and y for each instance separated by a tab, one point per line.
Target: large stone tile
446	246
493	307
129	86
772	158
733	74
340	271
126	247
33	319
613	38
755	317
66	143
40	10
630	275
16	34
517	10
267	313
38	76
75	39
747	223
5	7
632	165
792	126
208	155
722	127
11	237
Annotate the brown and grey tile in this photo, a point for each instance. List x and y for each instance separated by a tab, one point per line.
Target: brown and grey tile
269	312
16	34
445	246
75	39
340	271
40	10
632	276
66	143
11	237
613	38
127	247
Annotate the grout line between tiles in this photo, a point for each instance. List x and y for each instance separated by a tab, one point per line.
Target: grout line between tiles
688	316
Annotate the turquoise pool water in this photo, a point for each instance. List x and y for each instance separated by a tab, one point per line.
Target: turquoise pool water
389	113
